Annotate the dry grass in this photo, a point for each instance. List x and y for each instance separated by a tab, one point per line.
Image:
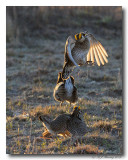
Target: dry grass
34	58
106	125
87	149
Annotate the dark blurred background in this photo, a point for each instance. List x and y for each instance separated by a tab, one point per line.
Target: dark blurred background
28	25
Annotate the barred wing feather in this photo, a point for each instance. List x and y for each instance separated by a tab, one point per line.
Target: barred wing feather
96	52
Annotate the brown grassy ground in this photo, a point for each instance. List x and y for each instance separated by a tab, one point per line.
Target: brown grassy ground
35	45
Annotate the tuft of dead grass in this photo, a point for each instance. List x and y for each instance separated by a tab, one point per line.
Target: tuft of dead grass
52	111
87	149
105	125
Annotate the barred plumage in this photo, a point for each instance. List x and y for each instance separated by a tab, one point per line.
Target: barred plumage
59	124
76	126
82	49
65	90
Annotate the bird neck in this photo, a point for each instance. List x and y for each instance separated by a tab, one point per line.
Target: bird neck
75	115
59	80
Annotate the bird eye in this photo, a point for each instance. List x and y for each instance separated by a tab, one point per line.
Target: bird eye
82	36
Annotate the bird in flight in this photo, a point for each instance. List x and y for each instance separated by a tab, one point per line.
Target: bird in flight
81	49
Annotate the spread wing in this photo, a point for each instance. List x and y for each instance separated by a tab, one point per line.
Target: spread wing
69	45
96	51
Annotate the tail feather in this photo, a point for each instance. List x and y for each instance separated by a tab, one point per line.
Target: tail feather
43	119
40	118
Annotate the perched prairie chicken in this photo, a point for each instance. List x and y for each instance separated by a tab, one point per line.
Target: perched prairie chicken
58	126
65	90
81	49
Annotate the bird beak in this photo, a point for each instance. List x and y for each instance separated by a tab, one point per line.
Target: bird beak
86	33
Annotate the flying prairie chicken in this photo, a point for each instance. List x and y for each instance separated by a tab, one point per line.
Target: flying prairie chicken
65	90
58	126
81	49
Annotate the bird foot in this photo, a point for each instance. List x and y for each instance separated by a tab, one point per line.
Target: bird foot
91	63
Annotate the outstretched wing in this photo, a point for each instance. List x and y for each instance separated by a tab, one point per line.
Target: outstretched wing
68	47
96	51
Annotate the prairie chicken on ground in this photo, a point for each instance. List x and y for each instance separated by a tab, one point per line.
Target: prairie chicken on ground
59	124
65	90
81	49
76	126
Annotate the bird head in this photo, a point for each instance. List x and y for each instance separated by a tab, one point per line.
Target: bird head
76	111
81	36
77	108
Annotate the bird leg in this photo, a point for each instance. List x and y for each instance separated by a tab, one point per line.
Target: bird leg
62	134
65	134
91	63
46	134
